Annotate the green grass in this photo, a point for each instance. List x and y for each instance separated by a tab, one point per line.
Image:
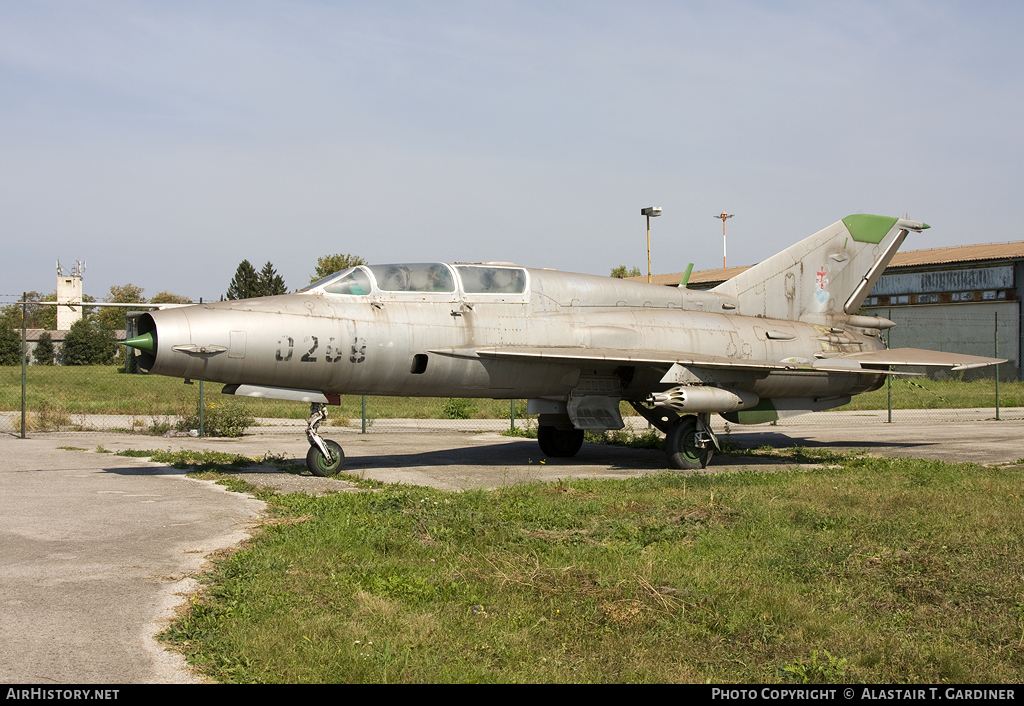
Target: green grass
922	393
858	570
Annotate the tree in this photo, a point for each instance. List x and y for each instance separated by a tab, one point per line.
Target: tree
36	315
113	317
88	343
622	273
166	297
10	339
43	316
245	283
269	282
43	352
329	264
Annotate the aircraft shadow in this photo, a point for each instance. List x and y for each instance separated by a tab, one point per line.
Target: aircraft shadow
778	440
526	453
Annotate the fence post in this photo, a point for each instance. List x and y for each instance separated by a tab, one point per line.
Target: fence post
997	364
24	359
888	378
512	415
364	414
202	404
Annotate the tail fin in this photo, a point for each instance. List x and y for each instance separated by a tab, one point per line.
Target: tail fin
829	273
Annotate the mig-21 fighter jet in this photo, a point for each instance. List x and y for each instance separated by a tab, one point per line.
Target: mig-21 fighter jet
782	338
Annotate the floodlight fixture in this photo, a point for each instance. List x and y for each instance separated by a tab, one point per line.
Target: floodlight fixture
650	212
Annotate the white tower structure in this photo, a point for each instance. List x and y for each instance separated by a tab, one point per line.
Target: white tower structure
69	289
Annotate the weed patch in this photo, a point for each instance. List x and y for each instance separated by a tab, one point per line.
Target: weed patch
219	419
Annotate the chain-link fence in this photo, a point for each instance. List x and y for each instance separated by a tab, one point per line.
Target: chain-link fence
81	398
991	392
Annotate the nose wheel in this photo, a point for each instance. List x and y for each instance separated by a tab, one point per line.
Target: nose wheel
325	457
319	465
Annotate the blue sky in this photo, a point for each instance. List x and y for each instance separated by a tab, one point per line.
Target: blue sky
165	142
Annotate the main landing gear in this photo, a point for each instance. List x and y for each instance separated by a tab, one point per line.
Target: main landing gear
689	441
325	457
559	443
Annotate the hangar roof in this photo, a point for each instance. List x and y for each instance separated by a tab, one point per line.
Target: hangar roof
910	258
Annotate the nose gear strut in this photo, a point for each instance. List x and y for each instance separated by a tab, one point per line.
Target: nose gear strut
325	457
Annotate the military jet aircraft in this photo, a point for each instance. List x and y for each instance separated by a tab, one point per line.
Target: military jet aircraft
782	338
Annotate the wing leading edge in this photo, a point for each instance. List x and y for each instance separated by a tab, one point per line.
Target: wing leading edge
849	363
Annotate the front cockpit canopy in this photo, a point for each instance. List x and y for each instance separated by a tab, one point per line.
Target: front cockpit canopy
427	277
424	277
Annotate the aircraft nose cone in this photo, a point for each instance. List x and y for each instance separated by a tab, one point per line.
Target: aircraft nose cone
145	343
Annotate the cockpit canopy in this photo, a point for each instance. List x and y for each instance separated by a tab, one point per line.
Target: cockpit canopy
425	277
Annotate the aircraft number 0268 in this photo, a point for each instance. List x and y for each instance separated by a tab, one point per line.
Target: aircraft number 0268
333	354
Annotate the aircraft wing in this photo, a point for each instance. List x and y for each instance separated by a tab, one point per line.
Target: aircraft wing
759	368
849	363
918	356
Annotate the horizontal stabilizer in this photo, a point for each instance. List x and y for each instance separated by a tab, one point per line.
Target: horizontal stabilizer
918	356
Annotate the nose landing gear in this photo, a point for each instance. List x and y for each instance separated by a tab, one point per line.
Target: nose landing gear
325	457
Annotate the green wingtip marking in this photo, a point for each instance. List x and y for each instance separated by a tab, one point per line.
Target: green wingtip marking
145	343
925	226
866	228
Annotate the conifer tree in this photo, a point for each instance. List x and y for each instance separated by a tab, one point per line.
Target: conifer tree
245	283
270	283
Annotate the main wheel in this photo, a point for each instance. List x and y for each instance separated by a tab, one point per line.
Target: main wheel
681	445
559	443
317	464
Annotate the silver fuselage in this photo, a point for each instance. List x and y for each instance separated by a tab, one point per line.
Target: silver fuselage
427	344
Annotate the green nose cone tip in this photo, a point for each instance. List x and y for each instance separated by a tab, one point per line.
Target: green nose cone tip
145	343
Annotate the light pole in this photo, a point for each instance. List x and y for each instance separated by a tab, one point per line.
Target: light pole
650	212
723	215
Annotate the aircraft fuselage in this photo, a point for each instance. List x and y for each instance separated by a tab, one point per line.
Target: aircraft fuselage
429	343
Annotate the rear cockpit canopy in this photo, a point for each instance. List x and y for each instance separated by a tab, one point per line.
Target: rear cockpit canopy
492	279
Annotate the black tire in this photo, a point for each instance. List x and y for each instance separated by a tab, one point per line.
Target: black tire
559	443
681	447
317	464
